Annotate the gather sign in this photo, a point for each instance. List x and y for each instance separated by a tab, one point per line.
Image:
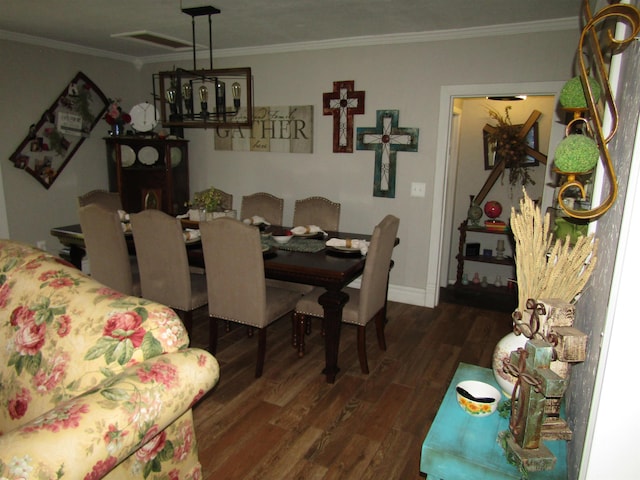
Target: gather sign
285	129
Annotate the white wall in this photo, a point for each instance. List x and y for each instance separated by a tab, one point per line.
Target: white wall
33	77
404	77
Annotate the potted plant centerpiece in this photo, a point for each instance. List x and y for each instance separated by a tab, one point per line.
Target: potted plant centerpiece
205	205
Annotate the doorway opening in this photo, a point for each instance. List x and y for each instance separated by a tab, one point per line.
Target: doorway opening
451	198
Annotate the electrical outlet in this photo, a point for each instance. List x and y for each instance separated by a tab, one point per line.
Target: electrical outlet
41	244
418	189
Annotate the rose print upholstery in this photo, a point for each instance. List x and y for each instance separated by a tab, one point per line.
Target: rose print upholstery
93	383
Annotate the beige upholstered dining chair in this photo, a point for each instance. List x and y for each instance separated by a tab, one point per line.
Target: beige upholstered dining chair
264	205
164	267
108	200
318	211
366	304
107	249
237	288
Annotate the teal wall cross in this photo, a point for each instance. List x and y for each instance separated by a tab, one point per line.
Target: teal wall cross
386	139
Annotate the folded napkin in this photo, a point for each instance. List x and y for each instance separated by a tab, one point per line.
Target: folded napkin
191	234
184	215
304	229
124	216
256	220
362	245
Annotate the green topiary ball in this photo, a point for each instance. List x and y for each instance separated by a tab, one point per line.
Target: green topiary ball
576	154
572	93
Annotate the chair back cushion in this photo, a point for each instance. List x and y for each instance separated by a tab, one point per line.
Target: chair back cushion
318	211
63	332
264	205
106	247
373	288
162	258
108	200
235	271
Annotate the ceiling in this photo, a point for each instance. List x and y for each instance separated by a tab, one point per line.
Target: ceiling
88	24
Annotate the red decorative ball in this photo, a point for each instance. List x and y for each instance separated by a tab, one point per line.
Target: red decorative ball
492	209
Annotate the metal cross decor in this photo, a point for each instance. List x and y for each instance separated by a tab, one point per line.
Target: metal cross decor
343	103
386	139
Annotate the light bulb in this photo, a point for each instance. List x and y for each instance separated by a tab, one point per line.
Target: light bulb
236	91
171	95
204	94
220	97
186	91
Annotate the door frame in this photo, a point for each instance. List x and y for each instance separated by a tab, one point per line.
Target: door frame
441	221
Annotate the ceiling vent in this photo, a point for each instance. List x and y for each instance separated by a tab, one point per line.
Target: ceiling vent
157	39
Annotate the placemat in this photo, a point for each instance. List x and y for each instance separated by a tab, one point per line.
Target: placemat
306	245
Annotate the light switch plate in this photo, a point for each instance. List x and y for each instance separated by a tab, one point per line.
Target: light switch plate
418	189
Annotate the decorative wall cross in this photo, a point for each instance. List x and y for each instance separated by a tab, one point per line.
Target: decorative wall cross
536	382
343	103
386	139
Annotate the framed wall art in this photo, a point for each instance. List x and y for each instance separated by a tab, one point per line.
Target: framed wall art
56	136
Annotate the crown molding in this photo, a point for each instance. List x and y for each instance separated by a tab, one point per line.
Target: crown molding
568	23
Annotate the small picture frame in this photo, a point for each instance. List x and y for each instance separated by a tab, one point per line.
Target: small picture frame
487	252
472	250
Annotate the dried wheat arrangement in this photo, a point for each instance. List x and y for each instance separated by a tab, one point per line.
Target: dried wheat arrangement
546	268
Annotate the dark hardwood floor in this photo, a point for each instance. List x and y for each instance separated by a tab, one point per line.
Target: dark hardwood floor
291	424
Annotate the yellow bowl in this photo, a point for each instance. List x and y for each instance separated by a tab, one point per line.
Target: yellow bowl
478	399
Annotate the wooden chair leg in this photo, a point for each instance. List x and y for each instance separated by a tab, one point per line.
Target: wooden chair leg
294	330
300	328
381	318
362	349
187	320
307	326
262	350
213	335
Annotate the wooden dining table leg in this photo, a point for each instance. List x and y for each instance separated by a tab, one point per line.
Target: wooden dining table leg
332	302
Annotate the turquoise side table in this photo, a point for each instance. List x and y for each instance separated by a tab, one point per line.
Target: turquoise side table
460	447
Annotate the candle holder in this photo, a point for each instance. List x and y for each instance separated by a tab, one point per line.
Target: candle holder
500	250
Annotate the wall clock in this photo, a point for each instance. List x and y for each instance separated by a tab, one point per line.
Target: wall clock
143	117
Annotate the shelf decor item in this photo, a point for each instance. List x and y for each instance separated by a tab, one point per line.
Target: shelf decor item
545	269
492	209
474	214
593	58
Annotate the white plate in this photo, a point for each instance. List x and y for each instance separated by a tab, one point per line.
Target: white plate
148	155
347	249
127	156
176	156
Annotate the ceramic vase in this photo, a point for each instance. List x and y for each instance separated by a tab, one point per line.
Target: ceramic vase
504	347
474	213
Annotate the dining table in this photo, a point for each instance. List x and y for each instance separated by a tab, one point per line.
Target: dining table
309	263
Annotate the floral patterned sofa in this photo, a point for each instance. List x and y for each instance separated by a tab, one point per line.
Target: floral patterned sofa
92	383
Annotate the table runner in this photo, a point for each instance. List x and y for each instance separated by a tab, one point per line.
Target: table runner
296	244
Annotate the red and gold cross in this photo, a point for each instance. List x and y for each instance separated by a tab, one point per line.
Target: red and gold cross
343	103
